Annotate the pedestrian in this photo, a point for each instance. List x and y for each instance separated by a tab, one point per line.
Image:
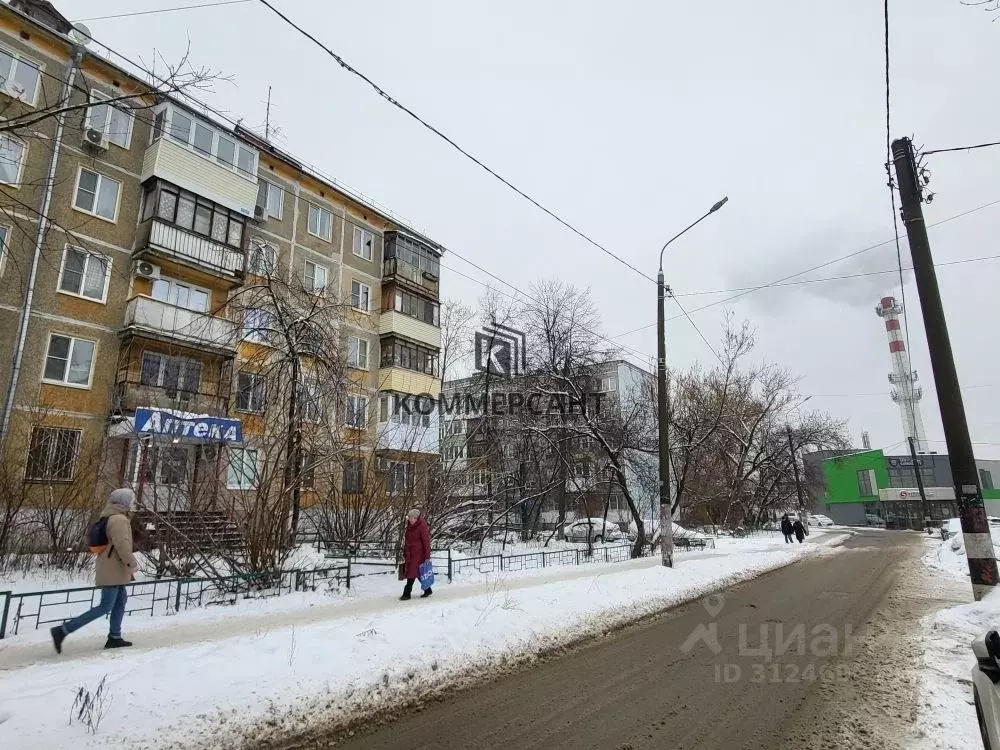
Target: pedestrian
416	551
799	529
786	528
115	567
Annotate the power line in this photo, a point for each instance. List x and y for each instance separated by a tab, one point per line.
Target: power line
883	394
698	330
475	160
780	282
163	10
895	222
959	148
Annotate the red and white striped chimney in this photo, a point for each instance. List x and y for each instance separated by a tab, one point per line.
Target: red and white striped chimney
905	392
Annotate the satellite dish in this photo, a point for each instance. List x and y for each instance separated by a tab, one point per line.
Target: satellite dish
81	34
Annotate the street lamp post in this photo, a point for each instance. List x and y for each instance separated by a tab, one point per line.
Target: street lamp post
666	532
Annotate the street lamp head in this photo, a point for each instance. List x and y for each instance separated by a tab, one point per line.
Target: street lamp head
719	205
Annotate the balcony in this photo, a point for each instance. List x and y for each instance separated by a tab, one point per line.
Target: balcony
404	325
168	322
131	395
396	269
407	381
181	165
160	237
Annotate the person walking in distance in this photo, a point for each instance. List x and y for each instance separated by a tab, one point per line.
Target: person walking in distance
799	529
786	528
416	551
111	538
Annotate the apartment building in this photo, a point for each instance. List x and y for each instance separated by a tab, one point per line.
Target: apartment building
167	281
536	463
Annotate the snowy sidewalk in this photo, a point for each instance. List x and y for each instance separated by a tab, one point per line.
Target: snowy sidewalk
198	680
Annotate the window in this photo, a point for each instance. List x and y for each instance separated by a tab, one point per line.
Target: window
319	222
114	120
363	243
865	483
69	360
309	406
177	293
165	465
408	412
257	325
251	392
986	479
97	195
84	274
399	477
417	307
178	375
354	476
409	356
263	258
905	476
241	473
52	454
18	77
361	296
4	234
357	412
271	198
606	385
206	141
11	159
454	427
357	353
454	452
314	277
477	477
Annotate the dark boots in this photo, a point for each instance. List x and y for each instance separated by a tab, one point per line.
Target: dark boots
117	643
58	636
427	592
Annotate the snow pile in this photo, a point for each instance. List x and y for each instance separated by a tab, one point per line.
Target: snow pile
192	681
949	556
947	719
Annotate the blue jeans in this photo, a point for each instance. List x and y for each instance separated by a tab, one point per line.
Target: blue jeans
112	600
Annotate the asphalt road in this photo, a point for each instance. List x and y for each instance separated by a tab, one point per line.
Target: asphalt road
641	689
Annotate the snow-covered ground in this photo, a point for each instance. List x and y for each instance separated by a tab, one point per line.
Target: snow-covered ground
264	669
947	716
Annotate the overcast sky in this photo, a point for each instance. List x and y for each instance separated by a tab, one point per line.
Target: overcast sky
630	119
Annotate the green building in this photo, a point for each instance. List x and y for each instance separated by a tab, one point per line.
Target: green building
868	487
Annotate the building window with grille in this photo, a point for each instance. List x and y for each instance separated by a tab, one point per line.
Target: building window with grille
52	453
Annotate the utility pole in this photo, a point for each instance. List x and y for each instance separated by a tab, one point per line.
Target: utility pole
666	519
924	510
965	475
795	469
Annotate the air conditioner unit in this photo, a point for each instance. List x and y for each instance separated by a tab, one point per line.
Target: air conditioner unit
95	138
258	212
146	270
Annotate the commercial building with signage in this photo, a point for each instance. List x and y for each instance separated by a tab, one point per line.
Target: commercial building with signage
868	487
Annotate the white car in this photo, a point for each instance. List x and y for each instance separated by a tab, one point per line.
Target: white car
986	688
597	529
818	519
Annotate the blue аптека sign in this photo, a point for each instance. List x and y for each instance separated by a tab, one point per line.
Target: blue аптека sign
190	427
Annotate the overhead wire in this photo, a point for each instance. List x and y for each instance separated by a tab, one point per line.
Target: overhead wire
780	282
926	152
154	11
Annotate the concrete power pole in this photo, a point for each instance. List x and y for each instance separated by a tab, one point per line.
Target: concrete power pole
924	510
965	475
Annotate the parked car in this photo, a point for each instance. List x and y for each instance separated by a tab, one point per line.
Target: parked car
818	519
986	687
598	529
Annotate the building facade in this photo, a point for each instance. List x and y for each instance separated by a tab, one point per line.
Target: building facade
185	303
868	487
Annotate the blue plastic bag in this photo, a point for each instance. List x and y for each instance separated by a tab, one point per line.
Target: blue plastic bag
426	575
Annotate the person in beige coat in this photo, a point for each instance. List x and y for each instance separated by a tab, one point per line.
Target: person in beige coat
116	567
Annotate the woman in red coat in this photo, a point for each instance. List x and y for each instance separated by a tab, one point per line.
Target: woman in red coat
416	551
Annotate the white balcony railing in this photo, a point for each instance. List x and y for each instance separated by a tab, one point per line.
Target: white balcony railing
190	246
148	314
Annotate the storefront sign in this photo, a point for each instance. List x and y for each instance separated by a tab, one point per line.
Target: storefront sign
189	427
